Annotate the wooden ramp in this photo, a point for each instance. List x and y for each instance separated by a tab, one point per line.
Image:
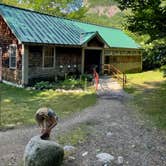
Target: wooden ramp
109	88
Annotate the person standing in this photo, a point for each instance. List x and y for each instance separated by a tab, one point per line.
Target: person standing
96	78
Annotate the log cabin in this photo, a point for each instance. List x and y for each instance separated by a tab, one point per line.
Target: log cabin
36	46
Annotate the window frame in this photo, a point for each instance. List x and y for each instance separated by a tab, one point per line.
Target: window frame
44	55
10	56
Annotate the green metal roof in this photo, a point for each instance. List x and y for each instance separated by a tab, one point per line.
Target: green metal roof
33	27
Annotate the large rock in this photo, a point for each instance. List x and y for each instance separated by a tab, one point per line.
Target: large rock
40	152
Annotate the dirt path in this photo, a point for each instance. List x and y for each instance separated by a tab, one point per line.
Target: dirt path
114	129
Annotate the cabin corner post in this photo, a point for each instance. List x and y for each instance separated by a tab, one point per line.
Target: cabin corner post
25	65
82	61
102	62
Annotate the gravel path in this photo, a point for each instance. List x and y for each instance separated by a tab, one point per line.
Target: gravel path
114	128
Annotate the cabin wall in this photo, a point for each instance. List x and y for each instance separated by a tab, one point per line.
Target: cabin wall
126	60
68	60
6	39
36	69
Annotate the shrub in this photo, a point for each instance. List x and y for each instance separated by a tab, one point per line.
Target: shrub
89	77
163	69
43	85
154	57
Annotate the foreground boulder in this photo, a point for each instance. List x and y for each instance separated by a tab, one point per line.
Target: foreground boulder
40	152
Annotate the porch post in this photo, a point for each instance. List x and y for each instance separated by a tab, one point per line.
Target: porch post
25	65
102	62
83	61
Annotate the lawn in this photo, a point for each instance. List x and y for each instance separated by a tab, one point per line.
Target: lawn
149	91
18	105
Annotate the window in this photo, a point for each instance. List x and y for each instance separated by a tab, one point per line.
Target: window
12	55
35	56
48	57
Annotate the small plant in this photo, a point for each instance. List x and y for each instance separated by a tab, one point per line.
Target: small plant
43	85
89	77
163	69
71	84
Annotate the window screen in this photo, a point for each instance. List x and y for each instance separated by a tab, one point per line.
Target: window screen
12	55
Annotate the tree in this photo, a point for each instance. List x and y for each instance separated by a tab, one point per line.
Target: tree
147	17
55	7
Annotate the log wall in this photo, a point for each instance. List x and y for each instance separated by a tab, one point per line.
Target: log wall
36	71
7	38
68	60
126	60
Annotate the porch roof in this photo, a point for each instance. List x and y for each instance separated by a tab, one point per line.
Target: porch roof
33	27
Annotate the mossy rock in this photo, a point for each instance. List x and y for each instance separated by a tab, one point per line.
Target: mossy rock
40	152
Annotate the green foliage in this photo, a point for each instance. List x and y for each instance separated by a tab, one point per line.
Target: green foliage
163	69
67	84
147	17
154	57
87	77
103	2
79	14
44	6
48	7
71	84
43	85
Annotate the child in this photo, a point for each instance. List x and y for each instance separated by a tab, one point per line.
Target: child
46	119
96	78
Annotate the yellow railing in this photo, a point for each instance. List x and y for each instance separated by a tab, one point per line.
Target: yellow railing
112	70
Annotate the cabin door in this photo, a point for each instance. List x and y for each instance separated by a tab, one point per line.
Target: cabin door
92	59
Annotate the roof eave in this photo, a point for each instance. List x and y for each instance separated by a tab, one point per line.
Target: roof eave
19	40
51	44
99	36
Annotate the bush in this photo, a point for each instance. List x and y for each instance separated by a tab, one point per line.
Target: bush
154	57
43	85
163	69
64	84
71	84
89	77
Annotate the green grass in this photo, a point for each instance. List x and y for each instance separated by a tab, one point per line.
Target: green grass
18	106
73	137
149	90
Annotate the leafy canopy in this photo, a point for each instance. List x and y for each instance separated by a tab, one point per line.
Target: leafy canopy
49	6
147	17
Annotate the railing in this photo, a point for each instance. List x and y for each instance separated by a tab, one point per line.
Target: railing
121	76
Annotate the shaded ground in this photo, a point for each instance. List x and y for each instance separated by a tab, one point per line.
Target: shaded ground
114	128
